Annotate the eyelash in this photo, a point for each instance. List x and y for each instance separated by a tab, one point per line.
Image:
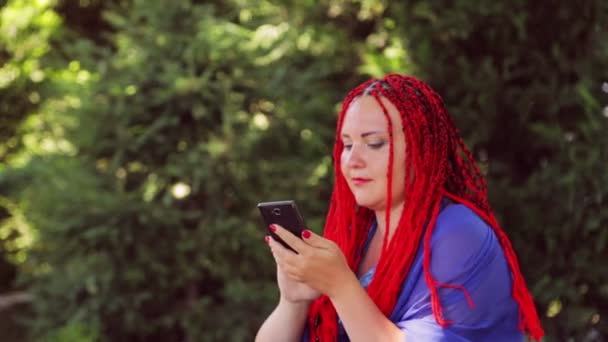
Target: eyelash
374	146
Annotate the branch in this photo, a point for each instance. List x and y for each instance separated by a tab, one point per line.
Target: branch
11	299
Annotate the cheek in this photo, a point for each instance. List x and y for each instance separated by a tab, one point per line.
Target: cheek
382	161
399	163
343	161
399	174
343	157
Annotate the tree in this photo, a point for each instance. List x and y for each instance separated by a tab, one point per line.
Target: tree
149	131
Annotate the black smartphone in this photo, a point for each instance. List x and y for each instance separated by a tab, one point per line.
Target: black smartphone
285	214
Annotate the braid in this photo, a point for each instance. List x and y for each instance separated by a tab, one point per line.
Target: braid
437	164
389	187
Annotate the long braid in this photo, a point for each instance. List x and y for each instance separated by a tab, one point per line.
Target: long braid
389	183
437	164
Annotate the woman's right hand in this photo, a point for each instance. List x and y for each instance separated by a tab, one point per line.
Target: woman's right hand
294	291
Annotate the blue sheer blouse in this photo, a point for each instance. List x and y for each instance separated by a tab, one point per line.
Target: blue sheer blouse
465	252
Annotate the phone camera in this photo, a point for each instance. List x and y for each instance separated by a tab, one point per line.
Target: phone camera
276	212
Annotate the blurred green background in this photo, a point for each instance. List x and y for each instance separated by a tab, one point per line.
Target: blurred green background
136	138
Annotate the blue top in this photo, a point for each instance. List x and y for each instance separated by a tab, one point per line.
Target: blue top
465	252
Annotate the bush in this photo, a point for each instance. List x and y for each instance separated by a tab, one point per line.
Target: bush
157	127
523	81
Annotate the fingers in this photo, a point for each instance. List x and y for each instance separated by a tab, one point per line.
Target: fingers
296	243
313	239
281	253
285	259
292	272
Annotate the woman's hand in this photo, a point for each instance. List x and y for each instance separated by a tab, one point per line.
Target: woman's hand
319	263
294	291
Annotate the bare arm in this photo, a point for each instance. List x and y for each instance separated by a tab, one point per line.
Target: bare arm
362	319
321	264
285	323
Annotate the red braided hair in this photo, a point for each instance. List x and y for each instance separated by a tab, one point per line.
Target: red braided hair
442	166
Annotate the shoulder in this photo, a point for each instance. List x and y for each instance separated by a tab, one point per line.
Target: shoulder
461	242
457	223
464	252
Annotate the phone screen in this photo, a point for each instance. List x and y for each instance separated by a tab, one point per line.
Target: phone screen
285	214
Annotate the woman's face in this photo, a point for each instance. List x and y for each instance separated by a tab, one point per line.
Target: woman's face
365	157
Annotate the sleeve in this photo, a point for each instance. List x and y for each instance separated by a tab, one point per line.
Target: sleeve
464	252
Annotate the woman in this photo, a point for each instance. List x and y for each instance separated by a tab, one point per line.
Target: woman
411	249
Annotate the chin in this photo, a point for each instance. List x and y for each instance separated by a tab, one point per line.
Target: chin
368	203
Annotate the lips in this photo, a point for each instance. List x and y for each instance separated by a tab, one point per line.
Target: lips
360	181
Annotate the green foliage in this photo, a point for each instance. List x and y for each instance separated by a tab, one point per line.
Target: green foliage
173	128
523	81
25	32
73	332
135	149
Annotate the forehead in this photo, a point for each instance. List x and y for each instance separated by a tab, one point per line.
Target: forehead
364	113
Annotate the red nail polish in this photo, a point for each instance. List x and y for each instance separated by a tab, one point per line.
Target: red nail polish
306	234
272	228
267	239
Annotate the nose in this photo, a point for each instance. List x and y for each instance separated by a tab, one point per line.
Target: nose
354	157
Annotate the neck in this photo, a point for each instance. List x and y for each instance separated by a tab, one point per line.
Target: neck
395	213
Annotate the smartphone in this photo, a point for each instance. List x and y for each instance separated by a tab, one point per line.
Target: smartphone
285	214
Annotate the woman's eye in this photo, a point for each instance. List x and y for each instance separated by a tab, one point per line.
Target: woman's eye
377	145
348	146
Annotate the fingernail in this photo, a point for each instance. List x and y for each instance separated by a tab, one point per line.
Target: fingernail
267	239
306	234
272	228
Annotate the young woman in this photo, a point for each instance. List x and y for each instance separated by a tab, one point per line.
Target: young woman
411	250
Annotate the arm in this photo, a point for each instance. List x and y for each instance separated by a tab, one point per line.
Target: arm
362	319
320	264
285	323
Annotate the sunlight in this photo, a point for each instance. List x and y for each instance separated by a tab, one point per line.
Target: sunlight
180	190
555	307
261	121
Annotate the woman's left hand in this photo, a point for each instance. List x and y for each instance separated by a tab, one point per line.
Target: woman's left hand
319	262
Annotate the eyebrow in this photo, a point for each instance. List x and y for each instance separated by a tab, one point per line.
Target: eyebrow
363	135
